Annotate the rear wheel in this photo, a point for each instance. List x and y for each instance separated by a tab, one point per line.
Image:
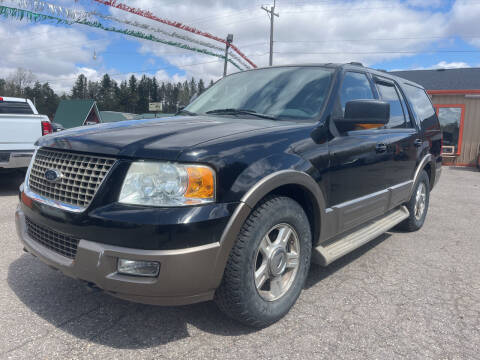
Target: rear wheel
418	204
268	264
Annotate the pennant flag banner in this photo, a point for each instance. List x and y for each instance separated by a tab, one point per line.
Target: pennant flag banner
75	15
149	15
172	34
20	14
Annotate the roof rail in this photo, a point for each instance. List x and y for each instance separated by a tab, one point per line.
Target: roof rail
356	63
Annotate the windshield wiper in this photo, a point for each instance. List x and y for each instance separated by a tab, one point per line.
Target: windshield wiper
185	112
240	112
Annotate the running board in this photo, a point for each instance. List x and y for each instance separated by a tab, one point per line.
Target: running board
324	255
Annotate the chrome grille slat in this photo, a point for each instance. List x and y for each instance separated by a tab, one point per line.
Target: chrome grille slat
62	244
82	176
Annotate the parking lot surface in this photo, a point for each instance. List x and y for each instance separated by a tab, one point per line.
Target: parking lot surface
404	295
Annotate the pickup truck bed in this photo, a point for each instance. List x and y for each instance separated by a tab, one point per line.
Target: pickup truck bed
20	127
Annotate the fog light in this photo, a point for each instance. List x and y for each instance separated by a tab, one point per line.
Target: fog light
138	268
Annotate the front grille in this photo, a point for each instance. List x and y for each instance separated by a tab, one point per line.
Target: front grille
60	243
82	175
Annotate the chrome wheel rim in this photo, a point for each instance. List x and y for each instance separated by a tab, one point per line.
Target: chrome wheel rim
420	201
276	262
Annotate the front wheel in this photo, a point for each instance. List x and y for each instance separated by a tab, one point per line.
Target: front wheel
418	204
268	264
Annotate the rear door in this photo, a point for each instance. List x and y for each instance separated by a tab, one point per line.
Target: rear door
402	135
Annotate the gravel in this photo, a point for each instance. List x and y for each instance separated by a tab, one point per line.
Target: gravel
404	295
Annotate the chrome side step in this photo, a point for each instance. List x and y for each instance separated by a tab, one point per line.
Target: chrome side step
326	254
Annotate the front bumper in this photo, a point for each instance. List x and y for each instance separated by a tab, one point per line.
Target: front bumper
186	275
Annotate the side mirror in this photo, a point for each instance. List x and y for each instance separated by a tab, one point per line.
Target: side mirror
366	112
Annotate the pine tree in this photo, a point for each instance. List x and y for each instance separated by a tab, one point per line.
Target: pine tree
79	90
92	90
132	94
201	86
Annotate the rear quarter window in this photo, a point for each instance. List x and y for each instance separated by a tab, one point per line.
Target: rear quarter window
422	106
15	107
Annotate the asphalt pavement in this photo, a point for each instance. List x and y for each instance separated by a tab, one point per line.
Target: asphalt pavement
404	295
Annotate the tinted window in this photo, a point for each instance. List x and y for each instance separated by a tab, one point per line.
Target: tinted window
420	102
389	93
355	86
15	107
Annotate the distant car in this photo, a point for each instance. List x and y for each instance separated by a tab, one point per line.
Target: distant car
267	170
56	127
20	127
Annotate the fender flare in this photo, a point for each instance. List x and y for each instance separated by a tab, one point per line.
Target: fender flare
425	160
251	198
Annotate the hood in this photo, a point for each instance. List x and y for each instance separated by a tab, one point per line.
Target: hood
162	139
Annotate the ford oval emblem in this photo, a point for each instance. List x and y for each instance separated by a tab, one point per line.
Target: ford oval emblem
53	175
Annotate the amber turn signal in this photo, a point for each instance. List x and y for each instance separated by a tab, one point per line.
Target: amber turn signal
201	183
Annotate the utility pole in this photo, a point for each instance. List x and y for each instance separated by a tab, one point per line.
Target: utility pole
271	13
227	46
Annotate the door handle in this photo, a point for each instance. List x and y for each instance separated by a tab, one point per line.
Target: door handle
418	142
381	148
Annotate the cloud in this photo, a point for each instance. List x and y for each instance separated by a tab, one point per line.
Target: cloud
307	31
451	65
52	53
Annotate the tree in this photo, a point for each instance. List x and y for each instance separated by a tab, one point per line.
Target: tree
184	96
3	87
80	89
132	94
144	92
92	90
193	87
107	94
122	96
18	81
155	91
201	86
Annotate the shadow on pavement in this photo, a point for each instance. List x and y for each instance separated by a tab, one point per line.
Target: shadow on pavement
318	273
94	316
10	182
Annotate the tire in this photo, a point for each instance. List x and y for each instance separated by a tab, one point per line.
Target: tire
238	296
415	221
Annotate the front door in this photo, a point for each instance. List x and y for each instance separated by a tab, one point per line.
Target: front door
367	160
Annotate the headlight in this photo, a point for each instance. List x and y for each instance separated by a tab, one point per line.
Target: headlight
167	184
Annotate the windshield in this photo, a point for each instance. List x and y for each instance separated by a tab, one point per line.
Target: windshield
282	93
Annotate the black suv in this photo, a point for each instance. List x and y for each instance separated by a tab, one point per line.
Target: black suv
231	199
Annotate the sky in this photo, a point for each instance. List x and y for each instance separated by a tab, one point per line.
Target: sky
383	34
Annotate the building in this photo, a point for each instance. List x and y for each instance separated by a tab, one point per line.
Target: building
455	94
73	113
115	116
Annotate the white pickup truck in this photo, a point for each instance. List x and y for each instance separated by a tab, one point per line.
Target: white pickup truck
20	127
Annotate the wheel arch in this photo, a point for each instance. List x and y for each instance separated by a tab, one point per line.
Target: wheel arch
295	184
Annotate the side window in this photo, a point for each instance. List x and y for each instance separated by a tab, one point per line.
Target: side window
389	93
420	103
355	86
